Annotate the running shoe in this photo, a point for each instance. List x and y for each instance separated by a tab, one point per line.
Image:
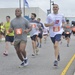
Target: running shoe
55	63
5	53
25	61
67	45
33	54
58	58
22	65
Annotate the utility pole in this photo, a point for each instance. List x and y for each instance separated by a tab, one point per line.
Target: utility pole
50	6
23	8
20	4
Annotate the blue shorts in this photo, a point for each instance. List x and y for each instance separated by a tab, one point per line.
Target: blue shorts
9	38
56	38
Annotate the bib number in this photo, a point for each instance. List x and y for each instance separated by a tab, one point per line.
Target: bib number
56	28
67	27
33	25
67	32
57	21
19	31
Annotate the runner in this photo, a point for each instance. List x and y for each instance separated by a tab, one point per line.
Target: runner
45	34
39	44
67	32
55	22
73	27
34	33
21	27
9	37
2	31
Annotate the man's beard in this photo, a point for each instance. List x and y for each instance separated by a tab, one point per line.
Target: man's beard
32	18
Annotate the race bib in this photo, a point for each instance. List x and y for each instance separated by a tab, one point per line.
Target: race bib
67	26
33	25
18	31
56	28
56	21
67	32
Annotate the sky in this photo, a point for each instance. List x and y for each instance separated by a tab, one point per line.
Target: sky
66	7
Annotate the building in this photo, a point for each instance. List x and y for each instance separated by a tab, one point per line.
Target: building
11	12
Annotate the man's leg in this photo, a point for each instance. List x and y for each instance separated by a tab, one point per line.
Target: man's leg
56	48
19	53
68	41
45	38
33	38
33	46
23	52
56	40
22	48
37	39
6	45
40	40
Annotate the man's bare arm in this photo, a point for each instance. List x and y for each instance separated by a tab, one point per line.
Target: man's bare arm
50	24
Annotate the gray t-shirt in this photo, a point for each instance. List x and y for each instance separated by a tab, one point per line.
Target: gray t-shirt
19	25
68	29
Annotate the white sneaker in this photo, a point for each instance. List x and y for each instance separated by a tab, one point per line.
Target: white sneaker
21	65
5	53
25	61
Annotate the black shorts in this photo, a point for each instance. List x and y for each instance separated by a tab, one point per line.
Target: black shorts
63	34
9	38
34	37
67	35
40	35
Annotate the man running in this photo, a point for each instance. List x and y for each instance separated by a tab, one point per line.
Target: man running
55	21
45	34
21	27
34	33
39	44
67	32
73	27
9	37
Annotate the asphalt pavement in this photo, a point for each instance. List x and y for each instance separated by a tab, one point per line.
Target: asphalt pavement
42	64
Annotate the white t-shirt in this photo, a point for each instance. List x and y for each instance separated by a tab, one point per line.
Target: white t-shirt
57	28
35	29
